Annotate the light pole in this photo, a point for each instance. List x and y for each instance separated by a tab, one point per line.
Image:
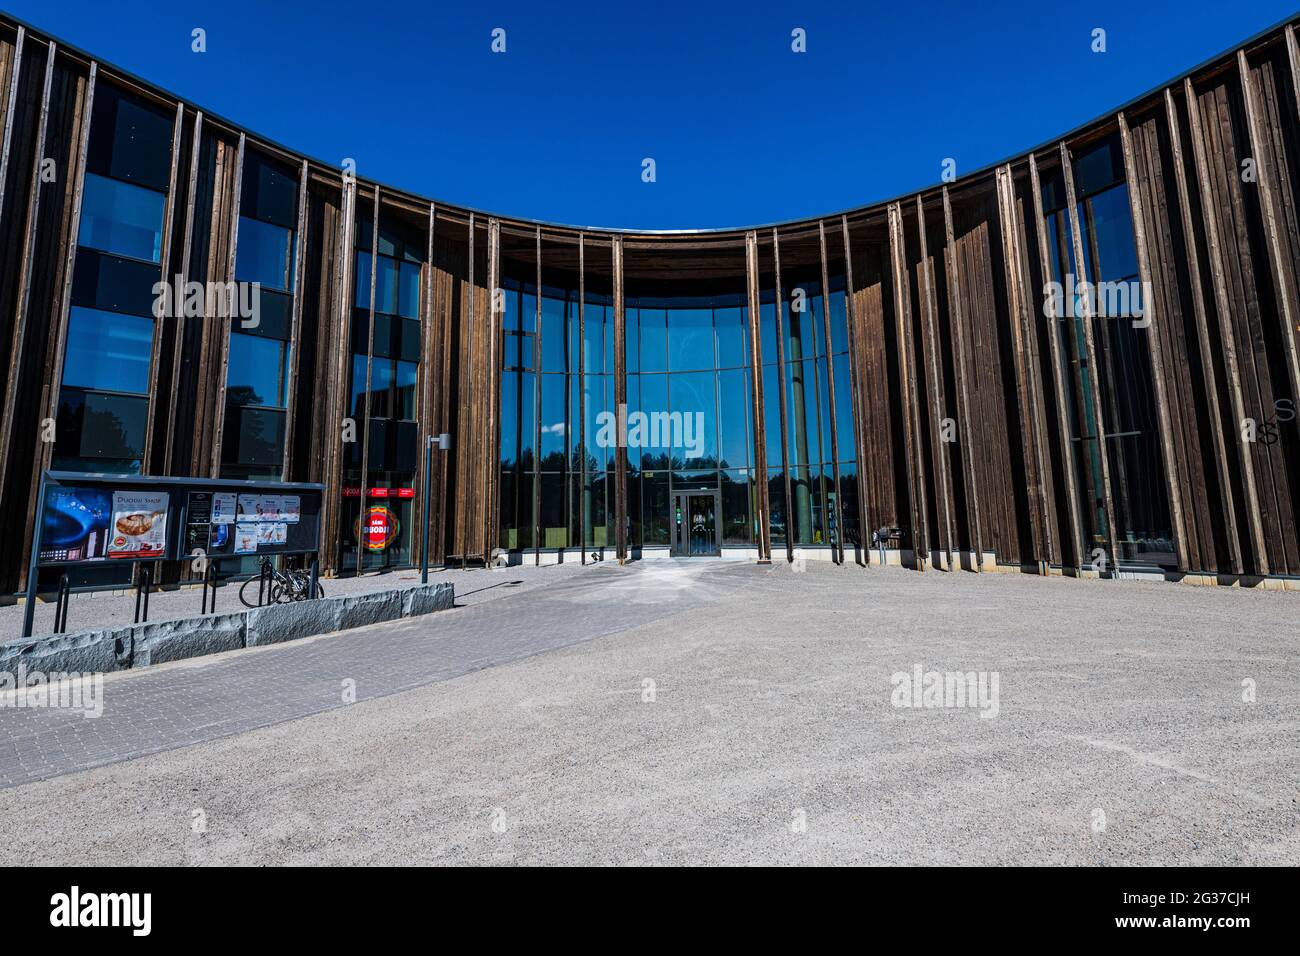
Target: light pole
444	443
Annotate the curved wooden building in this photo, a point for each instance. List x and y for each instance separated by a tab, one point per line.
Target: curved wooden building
1082	359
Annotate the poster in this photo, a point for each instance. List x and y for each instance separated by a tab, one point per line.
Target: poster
198	522
245	538
290	509
139	528
223	508
74	524
250	507
271	505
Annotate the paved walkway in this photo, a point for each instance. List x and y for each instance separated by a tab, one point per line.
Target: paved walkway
204	698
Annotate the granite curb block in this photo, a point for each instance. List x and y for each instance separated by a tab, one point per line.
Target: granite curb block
113	649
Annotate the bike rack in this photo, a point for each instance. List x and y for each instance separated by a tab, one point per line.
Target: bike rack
61	605
210	581
142	587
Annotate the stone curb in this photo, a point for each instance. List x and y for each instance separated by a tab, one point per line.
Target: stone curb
139	645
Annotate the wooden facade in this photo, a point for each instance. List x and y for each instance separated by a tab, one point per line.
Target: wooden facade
992	423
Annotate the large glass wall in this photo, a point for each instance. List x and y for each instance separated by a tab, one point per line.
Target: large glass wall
1143	533
257	374
104	397
391	432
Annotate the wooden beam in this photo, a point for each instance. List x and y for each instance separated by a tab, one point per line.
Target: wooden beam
1280	262
1223	309
780	374
838	514
345	268
6	139
582	396
492	384
857	387
1026	381
224	317
1058	390
956	316
761	501
930	347
370	361
1094	378
295	326
182	321
1151	316
620	405
907	377
537	406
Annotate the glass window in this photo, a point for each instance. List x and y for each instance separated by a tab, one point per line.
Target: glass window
258	371
386	287
733	417
265	254
692	394
253	437
103	281
129	139
121	218
654	338
109	351
690	339
110	427
408	290
270	192
404	383
362	283
733	337
555	319
555	426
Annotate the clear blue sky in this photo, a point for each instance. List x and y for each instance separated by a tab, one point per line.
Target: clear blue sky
743	130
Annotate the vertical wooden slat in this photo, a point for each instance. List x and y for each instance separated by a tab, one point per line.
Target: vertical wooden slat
1058	390
537	407
295	326
1076	239
1226	335
345	268
6	139
164	263
582	395
1026	382
1190	231
943	489
182	321
761	501
492	369
857	386
620	406
908	387
830	388
1283	269
1151	316
957	318
370	361
225	318
781	384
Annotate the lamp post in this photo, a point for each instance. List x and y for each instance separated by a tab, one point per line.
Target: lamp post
444	443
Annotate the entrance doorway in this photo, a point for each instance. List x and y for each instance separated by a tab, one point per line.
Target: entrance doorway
696	530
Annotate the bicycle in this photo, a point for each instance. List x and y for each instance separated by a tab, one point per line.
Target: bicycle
285	586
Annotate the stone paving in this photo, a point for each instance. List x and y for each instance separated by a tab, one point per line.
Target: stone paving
174	705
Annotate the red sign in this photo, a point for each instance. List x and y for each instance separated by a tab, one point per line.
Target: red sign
381	529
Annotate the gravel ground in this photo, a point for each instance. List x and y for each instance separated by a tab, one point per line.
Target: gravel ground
1121	737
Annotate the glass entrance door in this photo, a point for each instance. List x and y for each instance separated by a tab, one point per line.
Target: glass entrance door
695	524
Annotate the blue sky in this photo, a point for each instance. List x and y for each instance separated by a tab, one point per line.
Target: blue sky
742	129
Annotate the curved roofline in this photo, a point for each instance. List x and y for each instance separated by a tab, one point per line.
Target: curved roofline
1050	144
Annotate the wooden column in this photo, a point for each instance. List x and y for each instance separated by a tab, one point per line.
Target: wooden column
582	395
1158	370
761	503
224	317
537	407
943	486
1058	390
345	263
620	405
1190	231
1094	377
6	139
1223	309
857	385
780	375
295	327
492	383
907	377
956	315
370	361
838	544
1026	381
1280	262
182	321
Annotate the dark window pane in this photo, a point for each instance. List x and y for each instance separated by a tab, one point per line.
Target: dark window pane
258	370
253	437
117	285
93	425
265	254
122	218
270	191
108	350
408	290
129	139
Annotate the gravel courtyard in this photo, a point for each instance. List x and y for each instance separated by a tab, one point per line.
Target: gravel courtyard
707	712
